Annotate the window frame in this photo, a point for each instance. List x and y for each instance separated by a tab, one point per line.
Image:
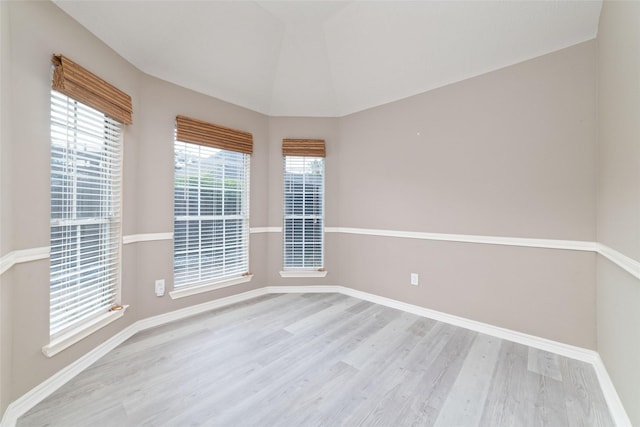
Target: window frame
304	270
186	286
94	153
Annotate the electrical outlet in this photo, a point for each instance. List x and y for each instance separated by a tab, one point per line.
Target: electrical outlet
159	287
414	279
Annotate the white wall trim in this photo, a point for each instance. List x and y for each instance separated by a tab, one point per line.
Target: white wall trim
161	319
612	398
626	263
573	352
44	389
23	255
40	392
630	265
37	394
198	289
575	245
146	237
69	338
255	230
299	274
618	413
149	237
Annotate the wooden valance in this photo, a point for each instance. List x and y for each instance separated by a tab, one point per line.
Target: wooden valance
82	85
212	135
303	147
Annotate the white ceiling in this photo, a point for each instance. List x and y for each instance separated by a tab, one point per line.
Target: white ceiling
322	58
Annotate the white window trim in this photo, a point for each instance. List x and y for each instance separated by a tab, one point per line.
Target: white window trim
215	282
67	339
298	271
69	336
198	289
303	273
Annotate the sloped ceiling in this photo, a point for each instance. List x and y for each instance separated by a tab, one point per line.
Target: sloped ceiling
315	58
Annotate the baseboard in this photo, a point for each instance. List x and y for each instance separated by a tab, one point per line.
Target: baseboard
618	412
573	352
183	313
578	353
36	395
40	392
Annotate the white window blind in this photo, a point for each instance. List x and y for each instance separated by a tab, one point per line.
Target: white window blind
303	212
211	208
85	213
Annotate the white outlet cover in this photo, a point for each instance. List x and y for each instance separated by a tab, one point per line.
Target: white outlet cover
414	279
160	287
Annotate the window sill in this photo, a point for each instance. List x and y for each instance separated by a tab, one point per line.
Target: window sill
194	290
303	273
67	339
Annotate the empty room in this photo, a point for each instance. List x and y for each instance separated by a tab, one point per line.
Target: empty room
320	213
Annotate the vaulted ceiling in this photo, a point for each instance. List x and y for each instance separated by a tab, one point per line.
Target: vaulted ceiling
330	58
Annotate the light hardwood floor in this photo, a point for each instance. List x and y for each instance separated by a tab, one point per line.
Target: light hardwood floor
323	360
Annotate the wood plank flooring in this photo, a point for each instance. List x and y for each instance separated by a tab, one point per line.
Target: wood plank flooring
323	360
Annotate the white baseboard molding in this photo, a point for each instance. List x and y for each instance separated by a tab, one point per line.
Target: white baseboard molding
44	389
614	403
620	417
198	289
573	352
36	395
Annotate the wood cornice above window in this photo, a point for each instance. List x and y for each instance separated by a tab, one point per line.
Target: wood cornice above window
82	85
203	133
303	147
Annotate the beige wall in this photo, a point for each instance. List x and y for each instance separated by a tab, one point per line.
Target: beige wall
6	333
509	153
619	197
5	131
5	206
546	293
619	127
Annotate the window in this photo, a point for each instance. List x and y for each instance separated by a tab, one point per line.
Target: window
303	230
211	208
85	213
